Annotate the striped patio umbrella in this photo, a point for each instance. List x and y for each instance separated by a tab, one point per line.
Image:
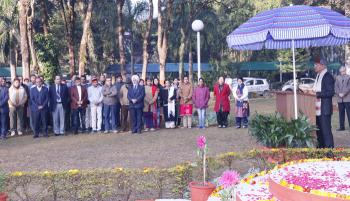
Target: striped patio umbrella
289	28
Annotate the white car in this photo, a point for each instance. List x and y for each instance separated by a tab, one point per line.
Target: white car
255	85
304	84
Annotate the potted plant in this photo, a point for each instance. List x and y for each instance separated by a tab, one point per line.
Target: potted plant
3	196
200	191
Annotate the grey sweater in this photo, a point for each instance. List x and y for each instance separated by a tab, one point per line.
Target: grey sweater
109	95
342	85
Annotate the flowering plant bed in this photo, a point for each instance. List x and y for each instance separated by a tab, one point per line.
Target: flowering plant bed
303	180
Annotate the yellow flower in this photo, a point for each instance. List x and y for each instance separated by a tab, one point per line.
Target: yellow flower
146	170
17	174
118	169
73	171
47	173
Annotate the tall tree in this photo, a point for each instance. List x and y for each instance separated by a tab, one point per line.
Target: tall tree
120	32
23	10
84	39
9	34
146	39
68	15
44	16
31	31
164	24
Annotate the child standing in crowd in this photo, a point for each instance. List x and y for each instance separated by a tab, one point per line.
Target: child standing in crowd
124	102
201	98
185	93
240	93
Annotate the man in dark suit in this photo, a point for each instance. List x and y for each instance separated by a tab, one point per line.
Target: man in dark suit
4	108
39	98
59	96
324	89
136	95
79	98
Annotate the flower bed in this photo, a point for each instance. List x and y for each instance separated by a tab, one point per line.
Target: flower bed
121	183
325	179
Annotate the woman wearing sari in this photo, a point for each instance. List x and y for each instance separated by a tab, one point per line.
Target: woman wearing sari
240	93
168	96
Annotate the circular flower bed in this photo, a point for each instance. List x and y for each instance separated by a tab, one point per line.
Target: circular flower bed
304	180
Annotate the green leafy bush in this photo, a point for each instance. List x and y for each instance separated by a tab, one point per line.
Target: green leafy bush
275	131
47	52
2	181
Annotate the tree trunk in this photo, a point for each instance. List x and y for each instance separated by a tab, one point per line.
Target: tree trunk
23	7
84	39
68	15
44	17
120	32
91	52
164	23
146	40
190	63
13	62
347	47
182	53
132	52
30	20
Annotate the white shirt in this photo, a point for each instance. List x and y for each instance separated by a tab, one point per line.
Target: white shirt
39	88
79	92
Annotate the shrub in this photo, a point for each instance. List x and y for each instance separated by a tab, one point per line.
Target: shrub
275	131
2	181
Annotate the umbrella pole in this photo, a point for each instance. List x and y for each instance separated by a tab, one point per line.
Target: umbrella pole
295	83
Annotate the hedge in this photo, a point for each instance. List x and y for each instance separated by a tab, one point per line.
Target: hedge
130	184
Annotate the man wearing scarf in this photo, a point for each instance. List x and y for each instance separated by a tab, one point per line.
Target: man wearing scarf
324	90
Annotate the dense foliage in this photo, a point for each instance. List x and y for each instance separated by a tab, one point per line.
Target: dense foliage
94	42
275	131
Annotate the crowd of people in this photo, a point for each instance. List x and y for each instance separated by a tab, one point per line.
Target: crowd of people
103	104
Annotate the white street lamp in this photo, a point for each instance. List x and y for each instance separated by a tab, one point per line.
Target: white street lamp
198	26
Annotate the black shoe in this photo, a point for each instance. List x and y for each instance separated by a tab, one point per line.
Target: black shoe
341	129
75	132
35	136
57	135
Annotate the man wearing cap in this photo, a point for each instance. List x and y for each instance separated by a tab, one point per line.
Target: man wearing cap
95	98
342	90
136	95
324	91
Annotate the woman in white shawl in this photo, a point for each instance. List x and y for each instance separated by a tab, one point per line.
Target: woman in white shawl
168	96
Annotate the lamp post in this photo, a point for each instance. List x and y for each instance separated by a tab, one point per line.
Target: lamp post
198	26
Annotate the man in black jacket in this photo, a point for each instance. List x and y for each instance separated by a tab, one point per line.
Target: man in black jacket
324	89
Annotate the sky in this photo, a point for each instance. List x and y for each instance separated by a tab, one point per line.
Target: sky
155	6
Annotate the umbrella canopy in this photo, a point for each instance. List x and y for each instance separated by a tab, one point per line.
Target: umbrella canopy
277	28
292	27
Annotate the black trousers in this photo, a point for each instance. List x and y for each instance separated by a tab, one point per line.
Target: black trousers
40	122
222	118
324	132
344	106
79	118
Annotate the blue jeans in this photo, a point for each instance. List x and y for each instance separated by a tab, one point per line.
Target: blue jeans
117	115
201	117
109	113
240	120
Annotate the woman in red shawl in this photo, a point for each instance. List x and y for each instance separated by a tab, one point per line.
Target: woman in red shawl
222	102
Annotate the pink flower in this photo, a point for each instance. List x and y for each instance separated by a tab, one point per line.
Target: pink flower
201	142
229	178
